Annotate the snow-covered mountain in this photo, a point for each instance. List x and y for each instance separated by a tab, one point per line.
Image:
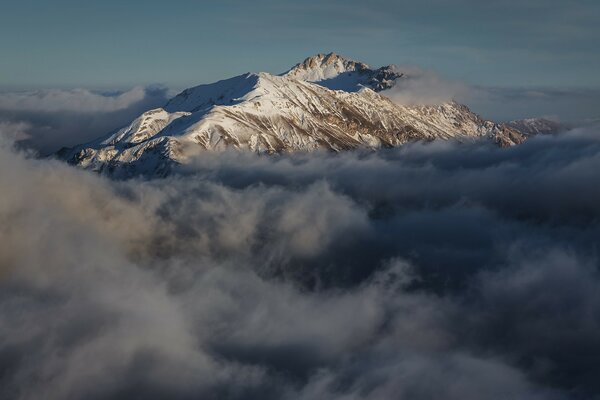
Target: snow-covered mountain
296	111
537	126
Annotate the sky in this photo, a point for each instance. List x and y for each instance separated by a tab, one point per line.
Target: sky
118	44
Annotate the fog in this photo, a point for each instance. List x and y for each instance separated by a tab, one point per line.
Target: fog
438	270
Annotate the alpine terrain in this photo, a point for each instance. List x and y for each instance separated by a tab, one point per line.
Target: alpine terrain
327	102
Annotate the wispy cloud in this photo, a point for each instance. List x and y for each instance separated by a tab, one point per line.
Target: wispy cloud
497	103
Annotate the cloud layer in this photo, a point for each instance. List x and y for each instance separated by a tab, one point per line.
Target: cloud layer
572	106
56	118
432	271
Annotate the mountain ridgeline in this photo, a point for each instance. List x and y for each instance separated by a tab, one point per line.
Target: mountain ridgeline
327	102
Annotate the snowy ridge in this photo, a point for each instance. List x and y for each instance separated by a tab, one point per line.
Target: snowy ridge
265	113
226	92
144	127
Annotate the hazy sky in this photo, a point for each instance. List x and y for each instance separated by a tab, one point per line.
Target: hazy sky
115	43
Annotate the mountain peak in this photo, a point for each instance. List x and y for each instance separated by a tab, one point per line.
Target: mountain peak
324	66
340	73
330	59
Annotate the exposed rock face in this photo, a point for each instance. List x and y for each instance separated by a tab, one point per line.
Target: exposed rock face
265	113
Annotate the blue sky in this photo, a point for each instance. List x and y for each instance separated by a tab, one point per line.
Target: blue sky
115	44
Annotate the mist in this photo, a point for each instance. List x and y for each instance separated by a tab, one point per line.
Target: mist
426	87
435	270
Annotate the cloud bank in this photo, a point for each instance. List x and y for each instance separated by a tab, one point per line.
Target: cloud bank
57	118
431	271
573	106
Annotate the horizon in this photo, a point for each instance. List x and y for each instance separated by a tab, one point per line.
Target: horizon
515	59
570	105
550	44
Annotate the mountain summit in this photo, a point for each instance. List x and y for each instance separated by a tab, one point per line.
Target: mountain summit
326	102
325	66
338	73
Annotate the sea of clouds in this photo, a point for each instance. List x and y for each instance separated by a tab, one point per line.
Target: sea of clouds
438	270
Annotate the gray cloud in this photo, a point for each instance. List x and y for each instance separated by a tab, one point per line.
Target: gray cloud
433	270
57	118
14	131
75	100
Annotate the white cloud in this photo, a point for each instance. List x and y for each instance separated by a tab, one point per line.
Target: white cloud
422	87
75	100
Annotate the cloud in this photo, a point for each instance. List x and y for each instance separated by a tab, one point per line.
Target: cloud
432	270
57	118
76	100
423	87
14	131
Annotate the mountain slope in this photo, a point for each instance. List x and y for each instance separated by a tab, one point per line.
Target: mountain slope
265	113
537	126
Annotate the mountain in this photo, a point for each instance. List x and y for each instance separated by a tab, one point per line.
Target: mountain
537	126
300	110
338	73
